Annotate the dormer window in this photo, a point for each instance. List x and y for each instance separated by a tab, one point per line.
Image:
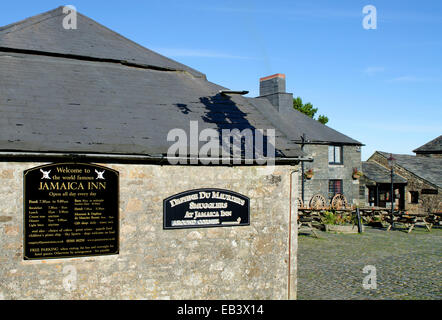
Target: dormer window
335	155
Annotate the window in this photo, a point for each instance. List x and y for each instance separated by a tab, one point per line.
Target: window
334	187
362	192
335	155
414	197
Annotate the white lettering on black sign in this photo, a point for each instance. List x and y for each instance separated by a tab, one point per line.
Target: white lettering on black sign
206	208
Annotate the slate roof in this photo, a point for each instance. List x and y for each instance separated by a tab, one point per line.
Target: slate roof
379	174
434	146
429	169
77	94
295	123
45	33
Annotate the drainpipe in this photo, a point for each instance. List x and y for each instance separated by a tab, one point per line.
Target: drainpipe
302	169
293	236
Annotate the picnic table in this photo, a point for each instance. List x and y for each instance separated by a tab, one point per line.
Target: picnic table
369	214
409	220
319	205
435	218
306	217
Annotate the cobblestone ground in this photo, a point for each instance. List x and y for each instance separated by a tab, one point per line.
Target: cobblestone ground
408	266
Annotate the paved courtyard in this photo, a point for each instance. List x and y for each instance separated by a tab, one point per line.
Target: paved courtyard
408	266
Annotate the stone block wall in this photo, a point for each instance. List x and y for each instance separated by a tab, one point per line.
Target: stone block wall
426	202
244	262
323	172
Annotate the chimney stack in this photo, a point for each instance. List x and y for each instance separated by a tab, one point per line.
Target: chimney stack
273	89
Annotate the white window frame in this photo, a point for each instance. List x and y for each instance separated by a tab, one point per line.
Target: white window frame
332	152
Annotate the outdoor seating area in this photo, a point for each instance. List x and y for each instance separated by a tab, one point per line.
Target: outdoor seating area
312	217
409	263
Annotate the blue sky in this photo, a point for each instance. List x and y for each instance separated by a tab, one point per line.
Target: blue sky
382	87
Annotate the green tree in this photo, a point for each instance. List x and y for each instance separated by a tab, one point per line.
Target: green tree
308	110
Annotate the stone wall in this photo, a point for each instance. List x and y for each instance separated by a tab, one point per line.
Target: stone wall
427	202
323	172
244	262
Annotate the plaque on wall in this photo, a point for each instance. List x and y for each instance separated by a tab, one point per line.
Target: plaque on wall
206	208
70	210
429	191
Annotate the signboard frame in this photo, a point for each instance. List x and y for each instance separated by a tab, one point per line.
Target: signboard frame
167	218
429	191
116	218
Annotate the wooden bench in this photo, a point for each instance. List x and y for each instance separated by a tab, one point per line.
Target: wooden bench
409	220
369	215
305	220
435	218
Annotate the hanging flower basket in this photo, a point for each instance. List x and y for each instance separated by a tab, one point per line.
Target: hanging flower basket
357	174
309	174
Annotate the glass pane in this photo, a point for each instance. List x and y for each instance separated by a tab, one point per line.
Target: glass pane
338	186
331	151
338	154
334	187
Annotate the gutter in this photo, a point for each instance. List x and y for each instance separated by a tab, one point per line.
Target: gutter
131	159
292	237
329	143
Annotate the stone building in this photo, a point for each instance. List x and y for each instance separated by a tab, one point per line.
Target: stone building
335	155
432	149
90	96
377	180
422	190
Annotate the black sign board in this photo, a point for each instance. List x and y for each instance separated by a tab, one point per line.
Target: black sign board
208	207
70	210
429	191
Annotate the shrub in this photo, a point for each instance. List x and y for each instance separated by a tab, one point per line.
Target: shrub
334	218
